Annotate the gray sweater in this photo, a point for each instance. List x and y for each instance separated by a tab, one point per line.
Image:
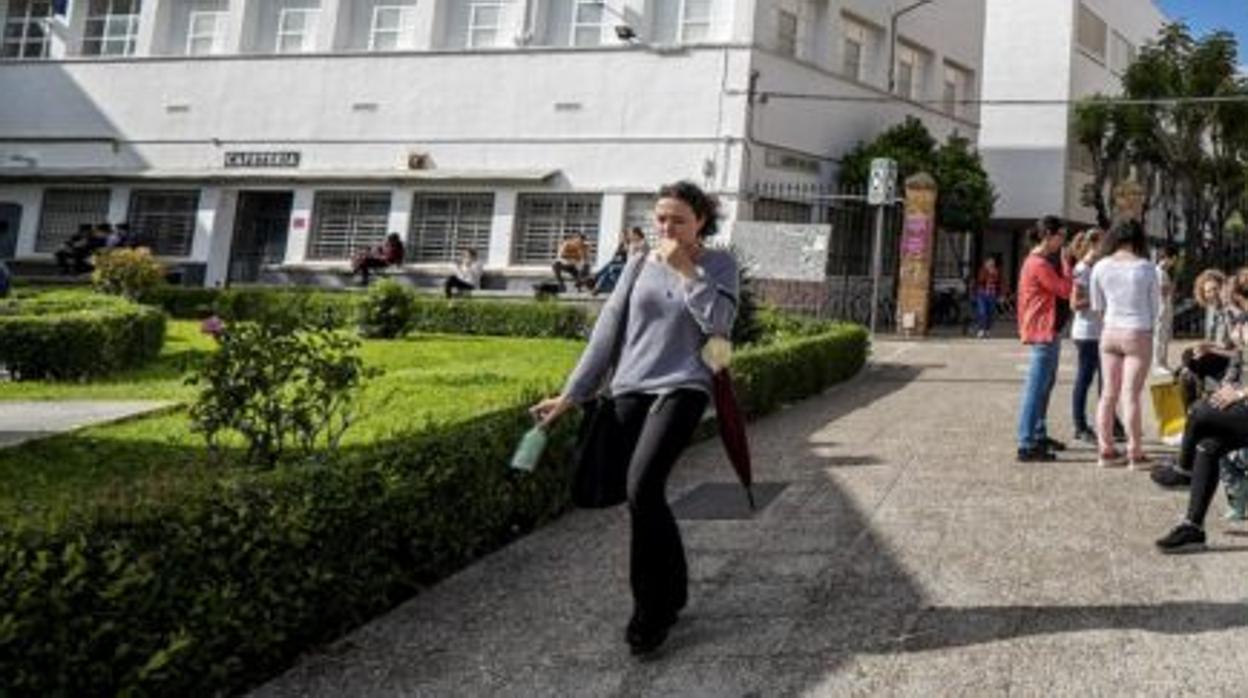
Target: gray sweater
669	320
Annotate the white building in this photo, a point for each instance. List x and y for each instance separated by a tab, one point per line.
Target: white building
1057	50
248	139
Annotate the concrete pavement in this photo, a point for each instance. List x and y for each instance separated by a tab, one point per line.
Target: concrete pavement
22	421
908	554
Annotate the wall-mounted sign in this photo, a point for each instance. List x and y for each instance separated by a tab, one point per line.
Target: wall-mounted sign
262	159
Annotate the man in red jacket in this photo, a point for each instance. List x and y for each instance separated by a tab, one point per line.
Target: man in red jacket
1044	285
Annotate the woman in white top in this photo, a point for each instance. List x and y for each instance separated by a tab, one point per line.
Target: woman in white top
1126	294
467	274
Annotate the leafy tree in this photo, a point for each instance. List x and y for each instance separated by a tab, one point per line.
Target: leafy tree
966	195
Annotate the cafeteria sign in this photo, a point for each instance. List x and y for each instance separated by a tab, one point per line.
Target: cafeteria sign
262	159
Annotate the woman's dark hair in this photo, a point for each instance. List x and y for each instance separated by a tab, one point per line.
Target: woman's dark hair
1049	225
704	205
1127	233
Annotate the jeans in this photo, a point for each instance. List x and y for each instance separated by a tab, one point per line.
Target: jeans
1089	368
1041	375
661	428
1163	331
985	309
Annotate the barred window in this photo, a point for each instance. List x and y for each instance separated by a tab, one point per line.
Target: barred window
345	222
544	220
112	27
639	213
164	221
445	224
64	210
1092	32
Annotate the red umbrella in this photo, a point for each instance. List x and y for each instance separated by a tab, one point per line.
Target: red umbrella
732	430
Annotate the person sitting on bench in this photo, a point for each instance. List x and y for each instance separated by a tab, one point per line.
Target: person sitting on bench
387	254
573	257
467	274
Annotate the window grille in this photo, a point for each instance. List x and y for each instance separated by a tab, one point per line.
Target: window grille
443	225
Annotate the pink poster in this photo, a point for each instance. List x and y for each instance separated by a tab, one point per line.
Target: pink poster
917	236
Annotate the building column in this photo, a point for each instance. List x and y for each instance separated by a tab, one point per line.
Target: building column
610	226
119	204
74	27
426	26
218	237
502	228
205	220
300	225
400	220
327	28
151	14
244	17
30	199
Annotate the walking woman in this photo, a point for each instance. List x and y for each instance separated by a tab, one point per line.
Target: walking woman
1125	291
1043	287
987	291
664	309
1085	330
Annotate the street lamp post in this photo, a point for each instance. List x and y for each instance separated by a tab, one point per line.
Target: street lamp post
892	39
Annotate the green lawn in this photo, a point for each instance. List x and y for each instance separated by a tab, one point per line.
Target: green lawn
425	378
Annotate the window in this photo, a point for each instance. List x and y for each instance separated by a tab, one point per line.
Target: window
164	220
27	29
544	220
1123	54
1092	33
66	209
587	22
393	29
854	50
296	29
445	224
639	213
695	20
786	33
956	90
205	35
484	24
909	73
345	222
112	28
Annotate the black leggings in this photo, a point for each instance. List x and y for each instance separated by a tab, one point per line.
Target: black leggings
1210	434
661	428
454	285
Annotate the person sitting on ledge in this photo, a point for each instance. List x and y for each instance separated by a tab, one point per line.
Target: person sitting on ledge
573	257
387	254
467	276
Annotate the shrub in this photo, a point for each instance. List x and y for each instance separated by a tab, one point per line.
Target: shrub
218	590
501	318
287	310
278	389
128	272
69	335
183	303
387	311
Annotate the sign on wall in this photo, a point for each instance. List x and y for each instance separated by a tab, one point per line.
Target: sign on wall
788	251
262	159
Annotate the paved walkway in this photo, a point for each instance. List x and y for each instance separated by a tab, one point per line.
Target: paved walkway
908	555
24	421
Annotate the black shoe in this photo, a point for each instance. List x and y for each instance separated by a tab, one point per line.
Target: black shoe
1170	476
1053	444
1087	436
1185	537
645	635
1036	455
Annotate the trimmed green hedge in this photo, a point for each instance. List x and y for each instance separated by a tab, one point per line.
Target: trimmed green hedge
69	335
221	591
341	309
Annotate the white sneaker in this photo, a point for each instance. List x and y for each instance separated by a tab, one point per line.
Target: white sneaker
1162	372
1173	439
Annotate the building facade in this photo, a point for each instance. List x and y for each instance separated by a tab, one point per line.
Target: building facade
1059	51
249	140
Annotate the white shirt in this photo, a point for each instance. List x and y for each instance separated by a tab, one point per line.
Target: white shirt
1087	323
1127	294
469	273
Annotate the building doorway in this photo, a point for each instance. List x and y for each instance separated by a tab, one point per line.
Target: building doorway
260	228
10	224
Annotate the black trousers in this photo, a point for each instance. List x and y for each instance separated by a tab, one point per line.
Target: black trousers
1209	435
578	272
454	284
1198	369
661	428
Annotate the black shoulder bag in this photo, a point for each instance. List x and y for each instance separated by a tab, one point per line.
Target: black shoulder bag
601	477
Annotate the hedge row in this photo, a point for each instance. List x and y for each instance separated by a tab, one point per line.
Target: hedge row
220	591
75	335
341	309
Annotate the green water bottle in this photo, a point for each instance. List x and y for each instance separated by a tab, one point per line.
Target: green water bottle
529	451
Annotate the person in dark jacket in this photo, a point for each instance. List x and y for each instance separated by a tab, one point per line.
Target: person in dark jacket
388	254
